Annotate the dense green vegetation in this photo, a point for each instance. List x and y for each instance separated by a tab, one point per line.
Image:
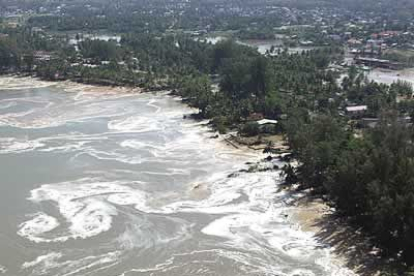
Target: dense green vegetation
368	175
250	83
366	172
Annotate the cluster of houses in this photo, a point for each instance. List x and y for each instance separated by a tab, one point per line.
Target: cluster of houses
369	52
376	62
358	114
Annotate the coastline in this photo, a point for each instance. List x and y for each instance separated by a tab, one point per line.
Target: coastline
16	81
348	246
94	84
311	214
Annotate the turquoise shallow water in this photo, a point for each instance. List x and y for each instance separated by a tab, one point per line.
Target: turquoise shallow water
115	183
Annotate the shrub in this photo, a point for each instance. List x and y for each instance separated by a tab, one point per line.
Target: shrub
250	129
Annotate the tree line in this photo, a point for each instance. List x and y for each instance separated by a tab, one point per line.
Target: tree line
367	174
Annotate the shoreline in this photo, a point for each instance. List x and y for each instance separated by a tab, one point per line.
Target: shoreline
349	247
310	213
101	84
68	85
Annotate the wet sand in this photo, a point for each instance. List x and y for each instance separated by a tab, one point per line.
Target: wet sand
311	214
349	246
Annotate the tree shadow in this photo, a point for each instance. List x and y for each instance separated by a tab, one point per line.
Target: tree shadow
346	240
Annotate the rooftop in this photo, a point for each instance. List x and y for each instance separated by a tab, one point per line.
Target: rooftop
267	121
356	108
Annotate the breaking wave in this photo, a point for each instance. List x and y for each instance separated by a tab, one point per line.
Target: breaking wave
136	190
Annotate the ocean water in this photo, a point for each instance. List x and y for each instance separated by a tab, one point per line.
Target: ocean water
100	181
263	46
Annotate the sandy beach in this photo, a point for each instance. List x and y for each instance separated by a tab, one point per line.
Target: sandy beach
310	213
349	246
16	82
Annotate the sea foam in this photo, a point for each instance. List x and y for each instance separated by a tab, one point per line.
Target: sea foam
87	205
54	263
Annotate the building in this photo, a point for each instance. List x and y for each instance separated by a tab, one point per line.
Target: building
382	63
42	56
264	122
268	126
356	111
369	122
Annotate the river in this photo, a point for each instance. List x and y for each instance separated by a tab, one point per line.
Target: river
102	181
263	46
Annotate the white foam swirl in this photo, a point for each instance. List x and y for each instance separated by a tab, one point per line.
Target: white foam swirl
35	228
238	220
45	264
85	206
13	145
